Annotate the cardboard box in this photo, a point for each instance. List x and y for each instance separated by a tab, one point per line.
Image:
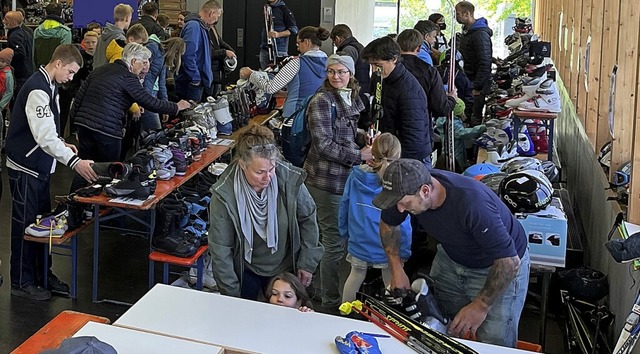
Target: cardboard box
546	233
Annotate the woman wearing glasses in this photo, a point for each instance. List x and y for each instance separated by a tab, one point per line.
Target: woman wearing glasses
336	146
263	220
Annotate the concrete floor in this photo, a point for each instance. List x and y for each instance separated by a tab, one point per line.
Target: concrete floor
123	276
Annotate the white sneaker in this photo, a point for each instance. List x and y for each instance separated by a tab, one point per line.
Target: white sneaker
221	111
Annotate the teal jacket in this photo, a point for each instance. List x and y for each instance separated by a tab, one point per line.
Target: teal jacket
47	37
226	242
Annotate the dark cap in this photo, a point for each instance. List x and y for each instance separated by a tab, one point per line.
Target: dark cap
402	177
82	345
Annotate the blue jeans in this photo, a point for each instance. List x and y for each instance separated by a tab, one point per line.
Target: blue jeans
328	205
186	91
253	285
457	285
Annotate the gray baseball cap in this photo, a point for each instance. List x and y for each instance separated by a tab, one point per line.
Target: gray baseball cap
402	177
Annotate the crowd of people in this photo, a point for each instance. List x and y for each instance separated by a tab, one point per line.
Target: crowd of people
281	224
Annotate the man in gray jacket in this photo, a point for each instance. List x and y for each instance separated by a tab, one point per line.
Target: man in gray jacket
122	19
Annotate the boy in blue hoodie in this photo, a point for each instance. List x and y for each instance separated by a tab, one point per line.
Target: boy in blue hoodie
359	220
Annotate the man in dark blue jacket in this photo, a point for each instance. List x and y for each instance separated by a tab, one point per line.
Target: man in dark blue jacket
195	72
284	25
100	107
22	44
439	103
149	20
476	48
33	146
404	103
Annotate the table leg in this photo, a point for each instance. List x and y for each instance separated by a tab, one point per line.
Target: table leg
546	279
550	144
74	266
96	251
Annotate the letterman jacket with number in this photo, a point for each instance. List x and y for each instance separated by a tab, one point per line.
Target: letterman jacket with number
33	142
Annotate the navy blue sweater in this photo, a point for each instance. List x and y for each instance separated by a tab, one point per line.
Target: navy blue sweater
473	225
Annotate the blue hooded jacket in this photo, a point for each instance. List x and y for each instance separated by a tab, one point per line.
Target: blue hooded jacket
359	220
196	61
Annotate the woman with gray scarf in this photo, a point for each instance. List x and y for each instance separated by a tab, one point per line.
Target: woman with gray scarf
263	220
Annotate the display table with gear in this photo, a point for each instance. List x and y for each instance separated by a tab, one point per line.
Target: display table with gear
163	188
243	326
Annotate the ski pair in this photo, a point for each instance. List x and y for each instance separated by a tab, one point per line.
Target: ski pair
416	336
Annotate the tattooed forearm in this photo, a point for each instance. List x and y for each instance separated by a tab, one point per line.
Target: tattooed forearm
501	274
390	236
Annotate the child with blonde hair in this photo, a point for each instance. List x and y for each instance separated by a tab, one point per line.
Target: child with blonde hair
359	220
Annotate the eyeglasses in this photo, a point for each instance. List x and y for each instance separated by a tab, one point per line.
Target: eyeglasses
332	72
263	147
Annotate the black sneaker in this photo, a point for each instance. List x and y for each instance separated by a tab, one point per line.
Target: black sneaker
57	286
32	292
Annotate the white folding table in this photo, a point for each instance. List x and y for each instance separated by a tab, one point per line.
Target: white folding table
129	341
252	326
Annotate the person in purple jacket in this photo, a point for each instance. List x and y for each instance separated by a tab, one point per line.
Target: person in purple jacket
481	268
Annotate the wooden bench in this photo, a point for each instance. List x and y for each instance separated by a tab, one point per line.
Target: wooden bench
61	242
61	327
196	261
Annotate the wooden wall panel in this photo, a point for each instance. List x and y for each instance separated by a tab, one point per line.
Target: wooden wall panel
608	57
634	191
596	78
625	100
576	53
584	29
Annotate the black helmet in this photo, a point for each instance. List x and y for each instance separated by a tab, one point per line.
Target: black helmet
493	180
585	283
526	192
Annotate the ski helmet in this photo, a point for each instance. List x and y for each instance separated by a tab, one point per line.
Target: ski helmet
622	176
521	163
604	157
526	191
480	169
550	170
493	180
585	283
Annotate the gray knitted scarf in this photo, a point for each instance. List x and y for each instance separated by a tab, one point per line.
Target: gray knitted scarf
258	213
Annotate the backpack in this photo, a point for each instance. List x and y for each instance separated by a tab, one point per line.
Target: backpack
296	137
